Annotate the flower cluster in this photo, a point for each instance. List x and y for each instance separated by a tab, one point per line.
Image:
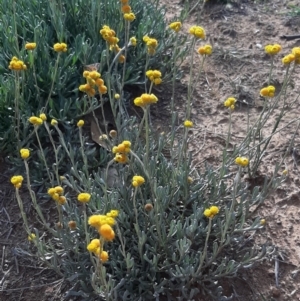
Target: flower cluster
17	181
16	64
205	50
36	120
30	46
272	49
230	103
84	197
93	80
137	181
60	47
211	212
292	57
145	99
103	224
25	153
126	10
188	124
268	91
197	32
154	76
57	194
242	161
109	35
121	152
151	44
176	26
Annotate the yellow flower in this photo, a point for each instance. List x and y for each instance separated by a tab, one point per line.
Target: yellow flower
16	64
137	181
54	122
154	76
145	99
285	172
80	123
121	158
114	213
133	41
242	161
31	237
25	153
117	96
97	220
205	50
175	26
84	197
126	9
30	46
151	44
129	17
296	52
107	232
103	256
262	222
211	212
188	124
190	180
35	120
197	32
17	181
43	117
288	59
268	91
60	47
229	102
94	245
272	49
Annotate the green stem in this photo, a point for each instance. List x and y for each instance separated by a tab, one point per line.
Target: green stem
190	84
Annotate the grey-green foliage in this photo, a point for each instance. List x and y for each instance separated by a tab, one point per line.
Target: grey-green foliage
76	23
162	254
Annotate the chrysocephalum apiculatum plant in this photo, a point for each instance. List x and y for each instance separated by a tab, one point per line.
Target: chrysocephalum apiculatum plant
146	226
30	29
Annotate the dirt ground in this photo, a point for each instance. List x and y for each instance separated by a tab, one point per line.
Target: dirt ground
238	67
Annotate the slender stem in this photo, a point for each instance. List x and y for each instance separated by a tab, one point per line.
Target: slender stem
53	81
190	85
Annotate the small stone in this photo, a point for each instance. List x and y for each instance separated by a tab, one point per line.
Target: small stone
275	292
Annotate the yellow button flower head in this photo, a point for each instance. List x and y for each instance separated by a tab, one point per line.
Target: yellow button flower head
60	47
205	50
31	237
103	256
197	32
133	41
17	181
94	245
107	232
25	153
176	26
35	120
84	197
273	49
211	212
54	122
43	117
145	99
129	17
154	76
288	59
151	44
114	213
188	123
137	181
30	46
229	102
242	161
268	91
121	158
16	64
97	220
80	123
126	9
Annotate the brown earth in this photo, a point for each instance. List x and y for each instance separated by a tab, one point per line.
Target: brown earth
238	67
